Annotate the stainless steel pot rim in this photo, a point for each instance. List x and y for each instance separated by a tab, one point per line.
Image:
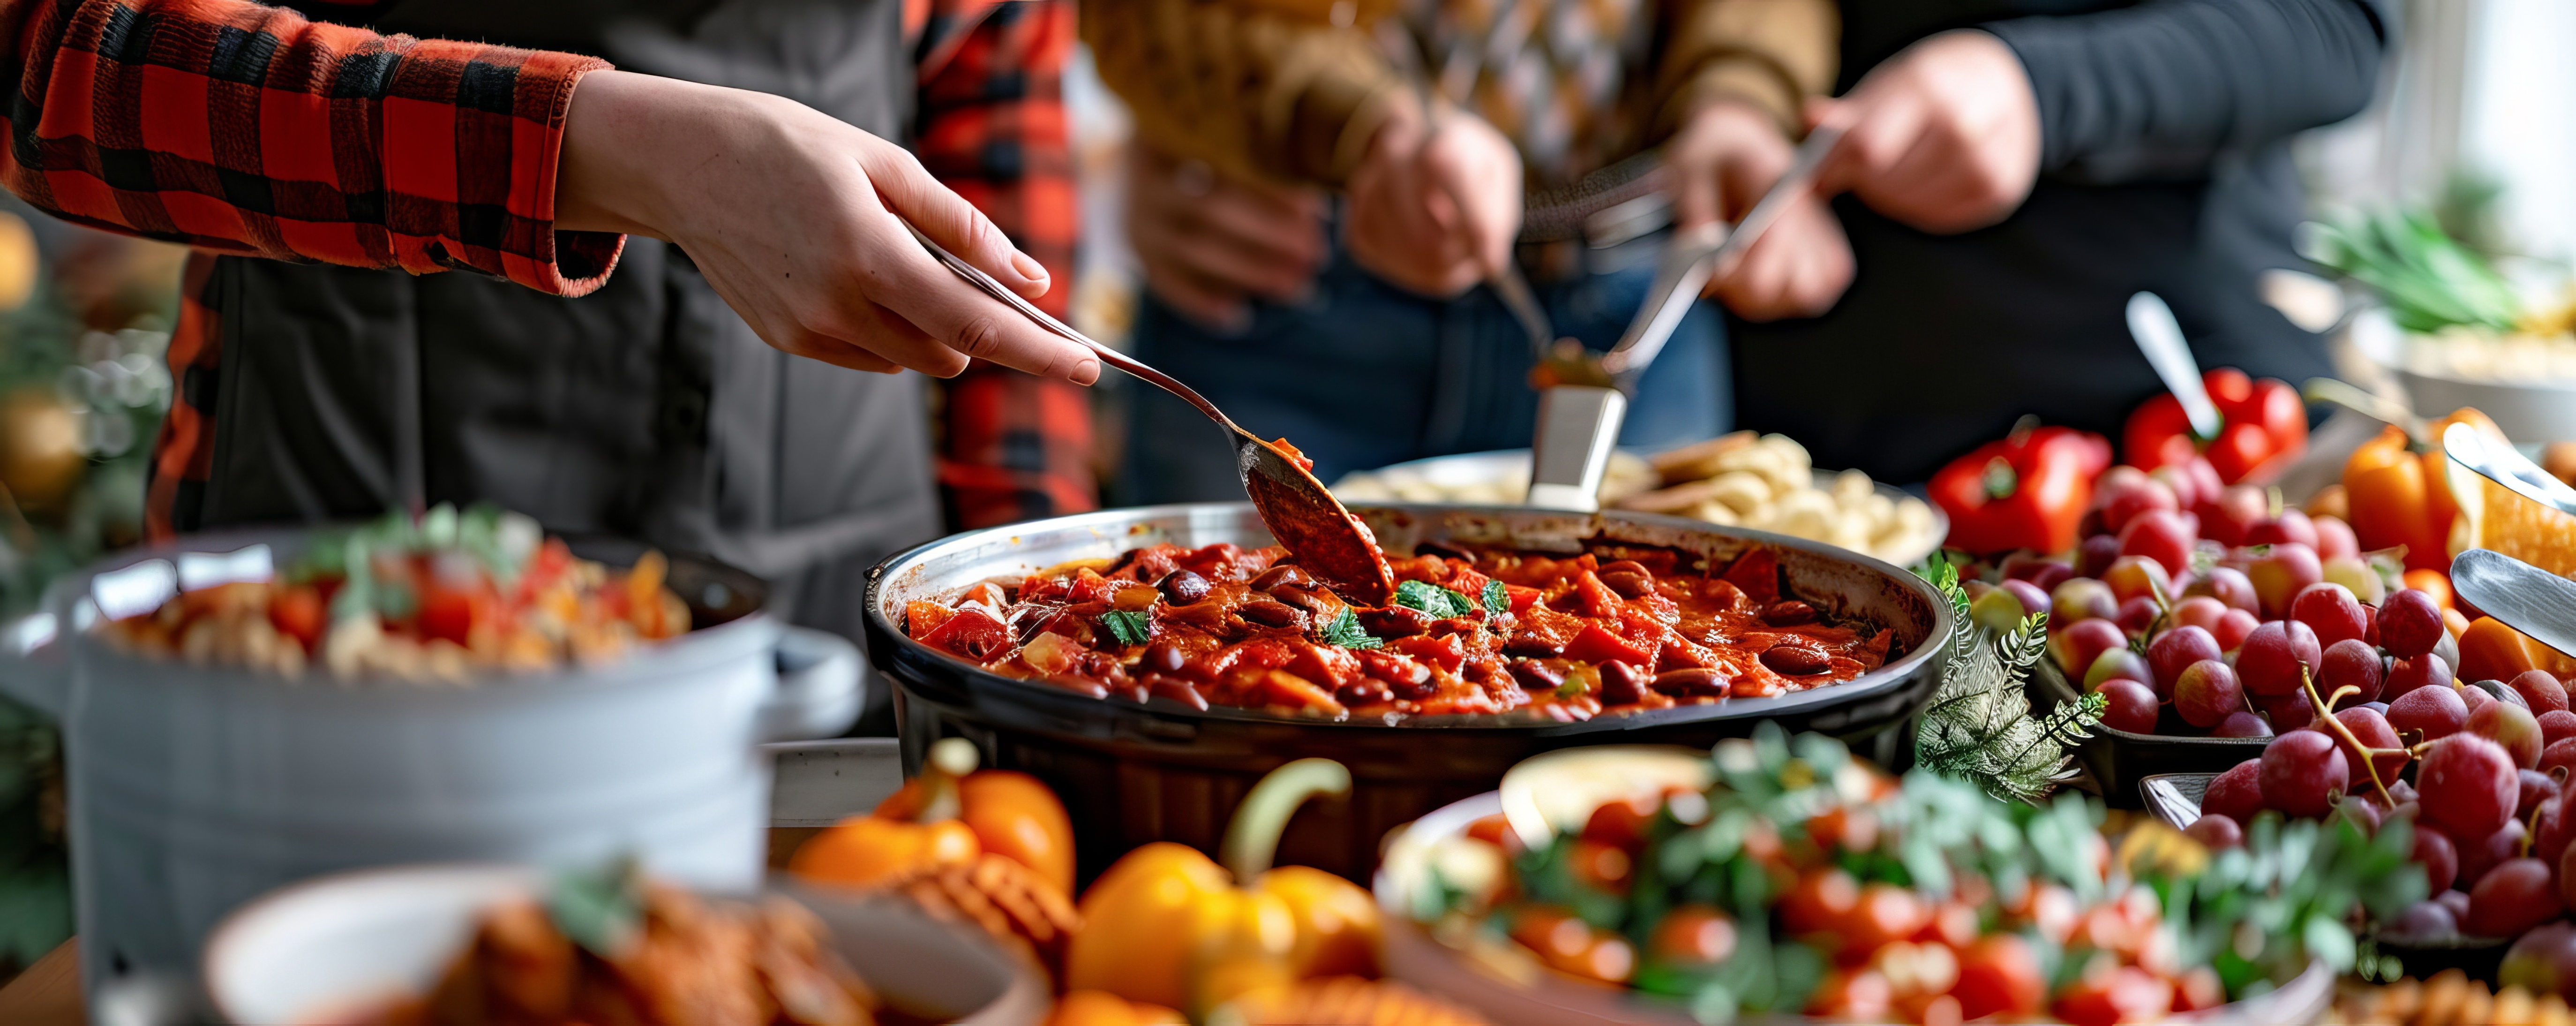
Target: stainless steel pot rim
1118	524
61	618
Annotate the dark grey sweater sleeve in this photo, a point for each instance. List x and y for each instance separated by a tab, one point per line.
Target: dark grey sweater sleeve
2159	89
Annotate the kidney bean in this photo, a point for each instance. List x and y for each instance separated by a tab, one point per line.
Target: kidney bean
1621	684
1789	613
1314	604
1285	573
1532	645
1795	660
1181	587
1394	621
1692	682
1537	676
1271	613
1628	583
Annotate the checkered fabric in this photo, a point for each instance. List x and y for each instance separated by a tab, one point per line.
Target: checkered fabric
238	128
991	125
244	129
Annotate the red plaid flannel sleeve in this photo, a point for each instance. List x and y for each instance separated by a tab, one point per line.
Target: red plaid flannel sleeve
239	128
991	125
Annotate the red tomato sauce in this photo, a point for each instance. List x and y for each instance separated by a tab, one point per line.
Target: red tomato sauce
1564	637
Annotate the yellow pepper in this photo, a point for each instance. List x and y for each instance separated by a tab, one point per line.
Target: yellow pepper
947	816
1167	926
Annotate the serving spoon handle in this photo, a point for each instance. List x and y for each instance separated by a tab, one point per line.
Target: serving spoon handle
1301	513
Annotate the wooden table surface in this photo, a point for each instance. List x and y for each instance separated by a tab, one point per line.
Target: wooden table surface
47	994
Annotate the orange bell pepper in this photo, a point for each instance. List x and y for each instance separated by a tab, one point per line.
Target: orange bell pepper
1011	813
865	851
2434	583
1101	1008
1169	927
946	816
2489	650
2389	489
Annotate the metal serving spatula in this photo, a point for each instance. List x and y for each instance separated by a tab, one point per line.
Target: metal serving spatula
1301	514
2525	597
1583	399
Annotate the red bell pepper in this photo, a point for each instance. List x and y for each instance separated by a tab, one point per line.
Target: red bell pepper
2028	491
2259	422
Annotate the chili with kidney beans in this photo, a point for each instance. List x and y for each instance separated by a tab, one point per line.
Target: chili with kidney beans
1566	637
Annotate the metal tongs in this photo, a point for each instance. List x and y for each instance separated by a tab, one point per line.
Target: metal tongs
1583	398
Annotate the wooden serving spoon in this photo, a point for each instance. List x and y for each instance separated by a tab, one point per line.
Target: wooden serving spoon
1312	525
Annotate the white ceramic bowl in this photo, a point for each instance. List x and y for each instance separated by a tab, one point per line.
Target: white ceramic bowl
1514	991
317	951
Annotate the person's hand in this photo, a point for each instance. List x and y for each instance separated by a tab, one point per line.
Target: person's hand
793	217
1434	206
1209	242
1943	136
1719	165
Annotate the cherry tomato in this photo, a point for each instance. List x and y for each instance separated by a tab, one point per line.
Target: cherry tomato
1693	935
2125	994
1822	901
1999	974
298	612
1885	914
1852	995
1622	824
1602	866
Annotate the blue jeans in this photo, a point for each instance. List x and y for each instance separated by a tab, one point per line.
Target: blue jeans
1363	374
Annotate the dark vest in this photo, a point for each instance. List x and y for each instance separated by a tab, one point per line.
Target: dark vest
645	410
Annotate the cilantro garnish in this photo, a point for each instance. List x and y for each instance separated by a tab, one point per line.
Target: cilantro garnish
1440	602
1345	631
600	909
1498	600
1128	627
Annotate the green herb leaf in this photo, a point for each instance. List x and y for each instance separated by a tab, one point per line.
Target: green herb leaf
602	909
1345	631
1130	628
1498	600
1440	602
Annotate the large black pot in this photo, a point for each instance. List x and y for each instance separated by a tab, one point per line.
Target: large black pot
1132	773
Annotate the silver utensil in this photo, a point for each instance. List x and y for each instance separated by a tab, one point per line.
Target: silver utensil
2498	462
2525	597
1302	515
1583	399
2365	402
2159	336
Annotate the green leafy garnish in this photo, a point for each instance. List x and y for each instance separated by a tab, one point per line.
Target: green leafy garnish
2429	281
1498	600
1979	727
600	909
1130	628
1345	631
1440	602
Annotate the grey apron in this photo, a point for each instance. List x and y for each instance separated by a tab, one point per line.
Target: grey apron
646	410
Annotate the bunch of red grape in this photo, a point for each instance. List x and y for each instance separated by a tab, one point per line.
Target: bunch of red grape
2199	611
2480	776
